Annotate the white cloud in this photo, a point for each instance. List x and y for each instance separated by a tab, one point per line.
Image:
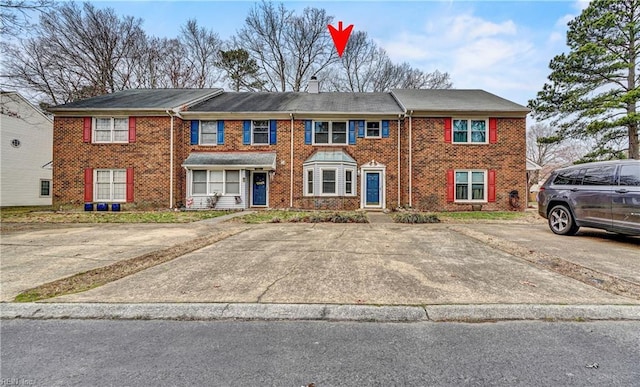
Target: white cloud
581	4
476	52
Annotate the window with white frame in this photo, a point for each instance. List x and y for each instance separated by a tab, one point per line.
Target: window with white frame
330	132
328	181
471	185
373	129
208	133
110	185
215	182
348	181
260	132
308	181
335	179
111	129
45	188
470	131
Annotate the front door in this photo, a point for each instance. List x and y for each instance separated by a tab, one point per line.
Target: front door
372	189
259	192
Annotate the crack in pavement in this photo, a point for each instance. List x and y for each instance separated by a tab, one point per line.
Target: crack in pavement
259	300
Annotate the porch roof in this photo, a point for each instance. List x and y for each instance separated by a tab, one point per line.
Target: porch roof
252	160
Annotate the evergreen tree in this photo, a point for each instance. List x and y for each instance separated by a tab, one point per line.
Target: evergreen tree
592	92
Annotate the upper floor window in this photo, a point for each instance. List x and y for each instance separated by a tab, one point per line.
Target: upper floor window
111	129
330	132
470	131
208	132
470	185
373	129
260	132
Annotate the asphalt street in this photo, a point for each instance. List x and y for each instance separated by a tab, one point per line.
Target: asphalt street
236	353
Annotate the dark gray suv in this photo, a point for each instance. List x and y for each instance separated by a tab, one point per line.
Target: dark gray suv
603	195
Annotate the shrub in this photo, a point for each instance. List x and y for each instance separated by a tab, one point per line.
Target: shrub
415	217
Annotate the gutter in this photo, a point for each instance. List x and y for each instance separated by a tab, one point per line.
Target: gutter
410	159
170	161
291	166
399	146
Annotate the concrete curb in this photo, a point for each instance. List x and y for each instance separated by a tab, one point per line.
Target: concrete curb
322	312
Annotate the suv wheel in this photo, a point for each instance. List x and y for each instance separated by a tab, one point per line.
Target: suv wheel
561	221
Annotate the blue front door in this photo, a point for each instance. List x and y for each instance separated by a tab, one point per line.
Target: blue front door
259	188
373	188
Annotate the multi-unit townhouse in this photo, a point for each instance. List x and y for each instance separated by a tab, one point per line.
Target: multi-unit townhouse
173	148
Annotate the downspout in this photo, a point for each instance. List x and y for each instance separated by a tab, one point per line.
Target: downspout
170	162
291	166
410	158
399	185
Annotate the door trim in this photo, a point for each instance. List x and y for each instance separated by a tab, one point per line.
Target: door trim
381	169
266	179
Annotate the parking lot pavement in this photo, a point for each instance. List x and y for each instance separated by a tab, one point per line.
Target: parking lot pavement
39	255
389	264
596	249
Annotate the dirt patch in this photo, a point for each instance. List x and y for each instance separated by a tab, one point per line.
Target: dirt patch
97	277
602	281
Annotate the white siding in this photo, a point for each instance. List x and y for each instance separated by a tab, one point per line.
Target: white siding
21	169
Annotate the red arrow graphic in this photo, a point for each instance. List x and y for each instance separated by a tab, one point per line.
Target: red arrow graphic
340	37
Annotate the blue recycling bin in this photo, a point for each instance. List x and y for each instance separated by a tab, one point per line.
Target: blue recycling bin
88	206
115	207
102	207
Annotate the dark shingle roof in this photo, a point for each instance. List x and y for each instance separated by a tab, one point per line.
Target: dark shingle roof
292	102
442	100
140	99
233	159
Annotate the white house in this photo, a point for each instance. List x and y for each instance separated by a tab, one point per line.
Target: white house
26	138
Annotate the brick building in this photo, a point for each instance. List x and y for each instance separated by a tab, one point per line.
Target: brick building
202	148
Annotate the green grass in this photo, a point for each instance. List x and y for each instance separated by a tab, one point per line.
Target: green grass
47	215
278	216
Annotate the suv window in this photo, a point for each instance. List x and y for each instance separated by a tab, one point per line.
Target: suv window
570	177
599	176
630	175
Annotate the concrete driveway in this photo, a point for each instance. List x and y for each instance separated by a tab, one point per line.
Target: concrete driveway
372	264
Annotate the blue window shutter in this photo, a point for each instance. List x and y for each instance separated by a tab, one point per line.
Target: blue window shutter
194	132
246	132
273	125
361	129
221	132
385	128
352	132
307	132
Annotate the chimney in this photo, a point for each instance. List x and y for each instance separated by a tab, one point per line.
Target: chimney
314	86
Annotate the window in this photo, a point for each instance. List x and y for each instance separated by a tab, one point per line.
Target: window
45	188
373	129
330	132
571	177
470	186
348	182
260	134
630	175
110	129
110	185
469	131
208	132
598	176
212	182
309	182
328	181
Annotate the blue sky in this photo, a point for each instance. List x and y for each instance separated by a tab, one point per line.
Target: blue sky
503	47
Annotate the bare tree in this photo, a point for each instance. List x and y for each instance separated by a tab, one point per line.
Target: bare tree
201	46
289	49
15	15
77	52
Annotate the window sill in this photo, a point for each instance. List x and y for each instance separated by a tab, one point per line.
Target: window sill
470	143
